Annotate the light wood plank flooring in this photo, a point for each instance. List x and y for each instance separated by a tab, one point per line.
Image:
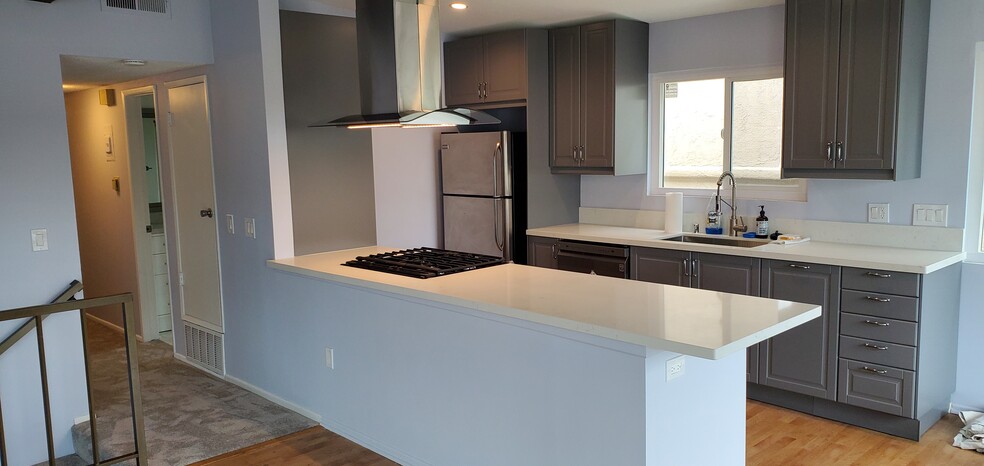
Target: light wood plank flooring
774	436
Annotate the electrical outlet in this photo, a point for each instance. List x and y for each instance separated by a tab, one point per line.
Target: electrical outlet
230	224
877	213
329	358
675	368
930	215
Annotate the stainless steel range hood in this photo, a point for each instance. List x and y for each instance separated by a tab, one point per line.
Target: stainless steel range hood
400	68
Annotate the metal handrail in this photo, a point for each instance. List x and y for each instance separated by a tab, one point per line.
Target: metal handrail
37	315
67	295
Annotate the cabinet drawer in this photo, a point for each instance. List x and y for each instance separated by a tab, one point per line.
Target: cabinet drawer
160	264
879	388
157	244
879	328
878	352
906	284
881	305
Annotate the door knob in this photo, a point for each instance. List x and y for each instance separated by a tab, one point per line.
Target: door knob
206	213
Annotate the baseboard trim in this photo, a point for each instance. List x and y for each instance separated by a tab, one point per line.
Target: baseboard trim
955	408
370	443
110	325
274	398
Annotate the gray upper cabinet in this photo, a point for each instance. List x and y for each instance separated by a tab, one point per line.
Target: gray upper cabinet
598	98
802	359
854	88
488	70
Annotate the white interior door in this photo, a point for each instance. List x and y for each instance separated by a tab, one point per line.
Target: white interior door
194	193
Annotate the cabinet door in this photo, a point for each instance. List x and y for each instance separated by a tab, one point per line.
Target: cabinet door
869	73
565	105
463	71
598	95
542	252
802	359
810	86
505	66
665	266
731	274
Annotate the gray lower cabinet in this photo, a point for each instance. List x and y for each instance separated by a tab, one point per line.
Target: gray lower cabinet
715	272
802	359
542	252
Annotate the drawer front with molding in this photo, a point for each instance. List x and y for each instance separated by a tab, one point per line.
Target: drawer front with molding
160	264
881	305
879	328
906	284
875	387
157	244
878	352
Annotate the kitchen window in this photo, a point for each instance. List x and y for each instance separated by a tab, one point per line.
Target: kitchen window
711	121
975	189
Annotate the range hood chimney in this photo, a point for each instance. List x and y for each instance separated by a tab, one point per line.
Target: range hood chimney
400	68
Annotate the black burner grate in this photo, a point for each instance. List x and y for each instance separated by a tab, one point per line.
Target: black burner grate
424	262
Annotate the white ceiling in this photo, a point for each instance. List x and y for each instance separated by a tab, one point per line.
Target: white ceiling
80	73
484	15
481	15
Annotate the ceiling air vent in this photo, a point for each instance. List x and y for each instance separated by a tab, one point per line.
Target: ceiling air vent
145	6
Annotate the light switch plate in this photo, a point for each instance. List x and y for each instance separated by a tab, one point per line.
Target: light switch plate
230	224
250	227
878	213
930	215
39	239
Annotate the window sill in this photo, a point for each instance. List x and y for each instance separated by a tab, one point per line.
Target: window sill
744	193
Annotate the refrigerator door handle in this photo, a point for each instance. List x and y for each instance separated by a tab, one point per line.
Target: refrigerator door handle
495	223
495	169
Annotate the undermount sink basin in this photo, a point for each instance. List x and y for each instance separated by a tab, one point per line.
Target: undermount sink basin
720	240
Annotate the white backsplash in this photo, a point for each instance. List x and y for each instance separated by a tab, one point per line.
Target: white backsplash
898	236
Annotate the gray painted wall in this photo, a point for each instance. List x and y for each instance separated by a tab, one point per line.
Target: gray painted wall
36	185
754	37
331	172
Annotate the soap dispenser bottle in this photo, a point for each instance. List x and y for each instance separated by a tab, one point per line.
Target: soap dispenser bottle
762	224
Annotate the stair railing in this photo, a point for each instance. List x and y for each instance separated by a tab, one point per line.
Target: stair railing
36	314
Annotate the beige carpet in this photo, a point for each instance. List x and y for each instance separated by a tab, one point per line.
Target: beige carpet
188	415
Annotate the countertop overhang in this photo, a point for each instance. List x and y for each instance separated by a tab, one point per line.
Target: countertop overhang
840	254
693	322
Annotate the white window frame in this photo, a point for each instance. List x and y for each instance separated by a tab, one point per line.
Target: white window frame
730	75
975	188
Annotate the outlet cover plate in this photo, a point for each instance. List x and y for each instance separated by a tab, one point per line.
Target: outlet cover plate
675	368
930	215
878	213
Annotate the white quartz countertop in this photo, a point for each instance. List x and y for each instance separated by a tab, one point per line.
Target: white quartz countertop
848	255
699	323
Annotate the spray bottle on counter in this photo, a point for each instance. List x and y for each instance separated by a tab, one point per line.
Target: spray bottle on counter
762	224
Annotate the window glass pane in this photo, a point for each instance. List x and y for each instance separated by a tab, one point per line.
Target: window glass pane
756	132
693	117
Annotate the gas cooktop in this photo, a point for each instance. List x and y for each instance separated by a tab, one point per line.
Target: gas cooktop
424	262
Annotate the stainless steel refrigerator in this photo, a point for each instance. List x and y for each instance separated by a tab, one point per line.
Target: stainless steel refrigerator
478	186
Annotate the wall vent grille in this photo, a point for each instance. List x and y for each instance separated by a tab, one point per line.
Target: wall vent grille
204	347
147	6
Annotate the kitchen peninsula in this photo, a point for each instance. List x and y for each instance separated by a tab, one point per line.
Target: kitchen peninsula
539	366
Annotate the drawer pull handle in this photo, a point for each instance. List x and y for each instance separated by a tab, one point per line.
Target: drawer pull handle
797	266
879	275
877	371
875	322
875	347
880	300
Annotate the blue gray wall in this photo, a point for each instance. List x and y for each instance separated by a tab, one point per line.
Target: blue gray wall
36	185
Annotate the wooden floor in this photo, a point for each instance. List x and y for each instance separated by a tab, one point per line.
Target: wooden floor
774	436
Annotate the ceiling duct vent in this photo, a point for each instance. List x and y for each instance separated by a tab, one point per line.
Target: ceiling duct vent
138	6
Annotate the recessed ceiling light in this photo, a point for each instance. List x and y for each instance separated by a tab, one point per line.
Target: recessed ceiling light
458	6
133	62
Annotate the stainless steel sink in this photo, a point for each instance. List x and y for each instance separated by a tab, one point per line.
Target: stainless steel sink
720	240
